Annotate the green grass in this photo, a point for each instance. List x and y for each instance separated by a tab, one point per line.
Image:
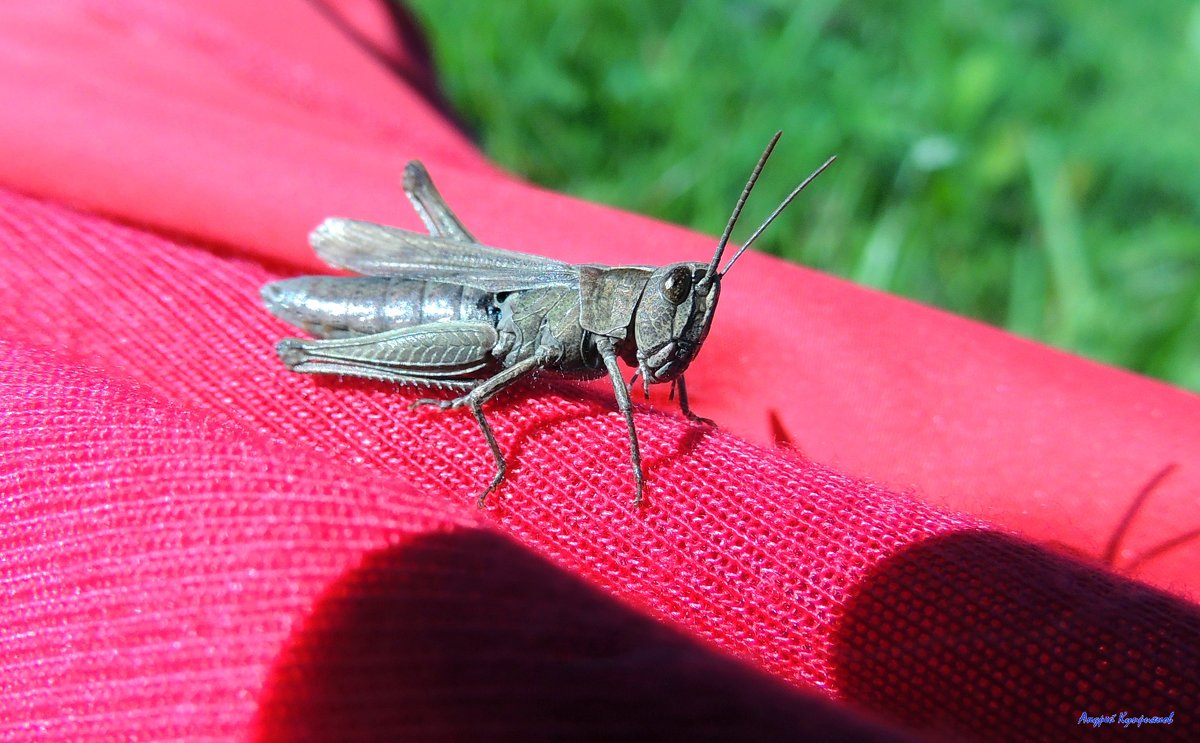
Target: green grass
1035	165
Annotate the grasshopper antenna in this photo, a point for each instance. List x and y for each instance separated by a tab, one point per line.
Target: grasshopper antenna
778	210
711	273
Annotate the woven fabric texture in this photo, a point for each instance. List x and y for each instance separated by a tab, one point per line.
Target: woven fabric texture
170	576
823	581
243	125
197	544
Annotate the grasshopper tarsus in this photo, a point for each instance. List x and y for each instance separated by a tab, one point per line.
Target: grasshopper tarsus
481	501
639	478
444	310
639	501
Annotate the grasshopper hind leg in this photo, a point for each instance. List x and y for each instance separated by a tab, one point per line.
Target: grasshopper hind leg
447	354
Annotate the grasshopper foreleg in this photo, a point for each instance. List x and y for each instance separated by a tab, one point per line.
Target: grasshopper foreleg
678	384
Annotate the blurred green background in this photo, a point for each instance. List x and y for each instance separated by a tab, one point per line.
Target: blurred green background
1035	165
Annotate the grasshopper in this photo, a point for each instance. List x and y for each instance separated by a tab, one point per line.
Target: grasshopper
443	310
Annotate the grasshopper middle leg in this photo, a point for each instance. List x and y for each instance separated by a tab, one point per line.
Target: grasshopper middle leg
475	399
625	405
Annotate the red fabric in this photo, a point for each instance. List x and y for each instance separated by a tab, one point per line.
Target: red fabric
196	543
245	124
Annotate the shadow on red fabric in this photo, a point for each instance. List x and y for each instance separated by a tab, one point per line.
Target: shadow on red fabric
467	636
979	633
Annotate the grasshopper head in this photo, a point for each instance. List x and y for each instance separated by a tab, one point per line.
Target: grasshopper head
678	302
673	317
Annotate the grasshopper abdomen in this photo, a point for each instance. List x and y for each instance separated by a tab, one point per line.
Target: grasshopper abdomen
340	307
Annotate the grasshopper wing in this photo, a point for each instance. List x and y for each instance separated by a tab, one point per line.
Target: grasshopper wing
378	250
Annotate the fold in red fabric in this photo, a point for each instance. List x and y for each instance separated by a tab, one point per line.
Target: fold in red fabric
196	543
245	124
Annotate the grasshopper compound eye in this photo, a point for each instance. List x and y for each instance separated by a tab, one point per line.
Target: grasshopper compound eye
678	285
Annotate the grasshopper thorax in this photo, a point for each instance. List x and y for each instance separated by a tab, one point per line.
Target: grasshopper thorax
672	319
